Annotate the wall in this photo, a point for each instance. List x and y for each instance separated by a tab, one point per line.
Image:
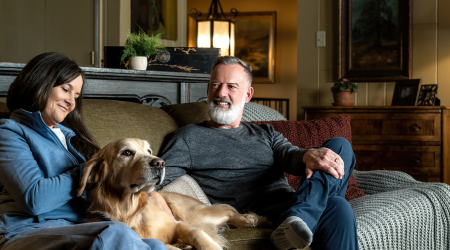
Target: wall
286	40
29	28
317	67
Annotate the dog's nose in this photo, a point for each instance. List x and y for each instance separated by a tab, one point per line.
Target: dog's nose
157	163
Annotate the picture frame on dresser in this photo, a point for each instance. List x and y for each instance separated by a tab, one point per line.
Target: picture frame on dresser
375	42
427	95
406	92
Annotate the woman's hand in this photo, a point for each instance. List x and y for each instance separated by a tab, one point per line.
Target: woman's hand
160	202
323	159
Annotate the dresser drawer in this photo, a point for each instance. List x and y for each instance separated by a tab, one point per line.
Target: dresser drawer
419	161
396	127
413	139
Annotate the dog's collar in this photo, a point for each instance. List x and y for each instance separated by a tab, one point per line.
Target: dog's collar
102	216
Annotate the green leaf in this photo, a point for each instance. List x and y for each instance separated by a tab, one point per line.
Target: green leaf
142	45
342	86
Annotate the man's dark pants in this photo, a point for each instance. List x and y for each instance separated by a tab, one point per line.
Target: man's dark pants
319	202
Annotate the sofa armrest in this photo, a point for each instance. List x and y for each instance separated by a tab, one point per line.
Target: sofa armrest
378	181
188	186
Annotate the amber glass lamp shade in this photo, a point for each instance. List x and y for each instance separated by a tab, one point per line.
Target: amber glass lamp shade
216	34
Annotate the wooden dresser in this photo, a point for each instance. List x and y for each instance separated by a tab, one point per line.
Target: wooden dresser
412	139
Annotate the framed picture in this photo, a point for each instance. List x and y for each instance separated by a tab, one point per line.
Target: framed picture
155	16
406	92
427	95
375	40
254	41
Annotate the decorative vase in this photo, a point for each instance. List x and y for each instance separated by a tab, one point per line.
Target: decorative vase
344	98
138	62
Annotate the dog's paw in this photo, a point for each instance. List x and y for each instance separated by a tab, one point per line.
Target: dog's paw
182	246
171	247
250	220
222	227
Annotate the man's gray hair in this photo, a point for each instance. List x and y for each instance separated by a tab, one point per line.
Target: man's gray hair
230	60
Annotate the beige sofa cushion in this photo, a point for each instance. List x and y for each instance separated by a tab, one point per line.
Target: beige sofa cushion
188	186
110	120
3	107
188	113
197	112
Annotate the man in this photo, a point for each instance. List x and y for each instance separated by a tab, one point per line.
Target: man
243	165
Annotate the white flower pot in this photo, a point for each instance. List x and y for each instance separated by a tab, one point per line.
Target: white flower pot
138	62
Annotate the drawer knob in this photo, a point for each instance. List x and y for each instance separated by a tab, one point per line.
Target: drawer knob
415	127
417	159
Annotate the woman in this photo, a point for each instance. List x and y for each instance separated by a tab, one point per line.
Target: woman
42	148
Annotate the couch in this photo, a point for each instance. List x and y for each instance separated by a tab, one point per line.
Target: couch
396	212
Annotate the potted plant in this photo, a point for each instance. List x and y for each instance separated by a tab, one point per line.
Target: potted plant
139	47
343	92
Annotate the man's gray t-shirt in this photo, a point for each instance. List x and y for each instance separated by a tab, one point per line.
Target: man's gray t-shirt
243	166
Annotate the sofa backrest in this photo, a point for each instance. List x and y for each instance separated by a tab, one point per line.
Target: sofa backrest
3	107
307	134
197	112
110	120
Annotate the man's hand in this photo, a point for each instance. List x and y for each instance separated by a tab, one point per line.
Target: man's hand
323	159
160	202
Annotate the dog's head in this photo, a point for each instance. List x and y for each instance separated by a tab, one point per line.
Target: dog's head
124	167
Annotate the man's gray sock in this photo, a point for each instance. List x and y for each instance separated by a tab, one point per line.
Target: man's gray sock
292	233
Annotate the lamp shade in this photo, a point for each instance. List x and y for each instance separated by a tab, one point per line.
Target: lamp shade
216	32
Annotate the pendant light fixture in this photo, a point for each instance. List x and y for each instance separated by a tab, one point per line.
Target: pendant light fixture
216	31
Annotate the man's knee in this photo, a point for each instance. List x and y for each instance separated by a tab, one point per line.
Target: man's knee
338	144
342	147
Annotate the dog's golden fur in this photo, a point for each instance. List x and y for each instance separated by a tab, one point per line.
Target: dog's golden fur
118	180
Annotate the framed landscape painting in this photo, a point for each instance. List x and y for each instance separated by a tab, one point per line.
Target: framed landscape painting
375	40
255	43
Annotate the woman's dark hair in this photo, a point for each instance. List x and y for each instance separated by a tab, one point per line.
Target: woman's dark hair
32	87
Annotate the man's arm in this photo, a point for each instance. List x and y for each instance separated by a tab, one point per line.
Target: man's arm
288	156
298	161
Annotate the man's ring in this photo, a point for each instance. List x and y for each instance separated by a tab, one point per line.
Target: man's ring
335	160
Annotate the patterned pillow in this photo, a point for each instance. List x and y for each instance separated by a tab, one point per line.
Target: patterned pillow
306	134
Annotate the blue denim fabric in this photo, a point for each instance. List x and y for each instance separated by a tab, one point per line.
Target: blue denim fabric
319	202
62	234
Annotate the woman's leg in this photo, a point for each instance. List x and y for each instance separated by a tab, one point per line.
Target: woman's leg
97	235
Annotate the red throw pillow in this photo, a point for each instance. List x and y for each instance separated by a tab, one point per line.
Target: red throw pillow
306	134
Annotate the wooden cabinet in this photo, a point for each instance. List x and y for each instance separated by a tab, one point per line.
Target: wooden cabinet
412	139
152	88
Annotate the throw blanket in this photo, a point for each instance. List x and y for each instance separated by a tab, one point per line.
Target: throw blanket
399	212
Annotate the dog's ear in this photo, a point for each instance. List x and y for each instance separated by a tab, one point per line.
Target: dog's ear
91	172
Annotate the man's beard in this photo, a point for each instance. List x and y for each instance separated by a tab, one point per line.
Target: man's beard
222	116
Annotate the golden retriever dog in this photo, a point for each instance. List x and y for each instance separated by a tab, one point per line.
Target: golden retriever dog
118	179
